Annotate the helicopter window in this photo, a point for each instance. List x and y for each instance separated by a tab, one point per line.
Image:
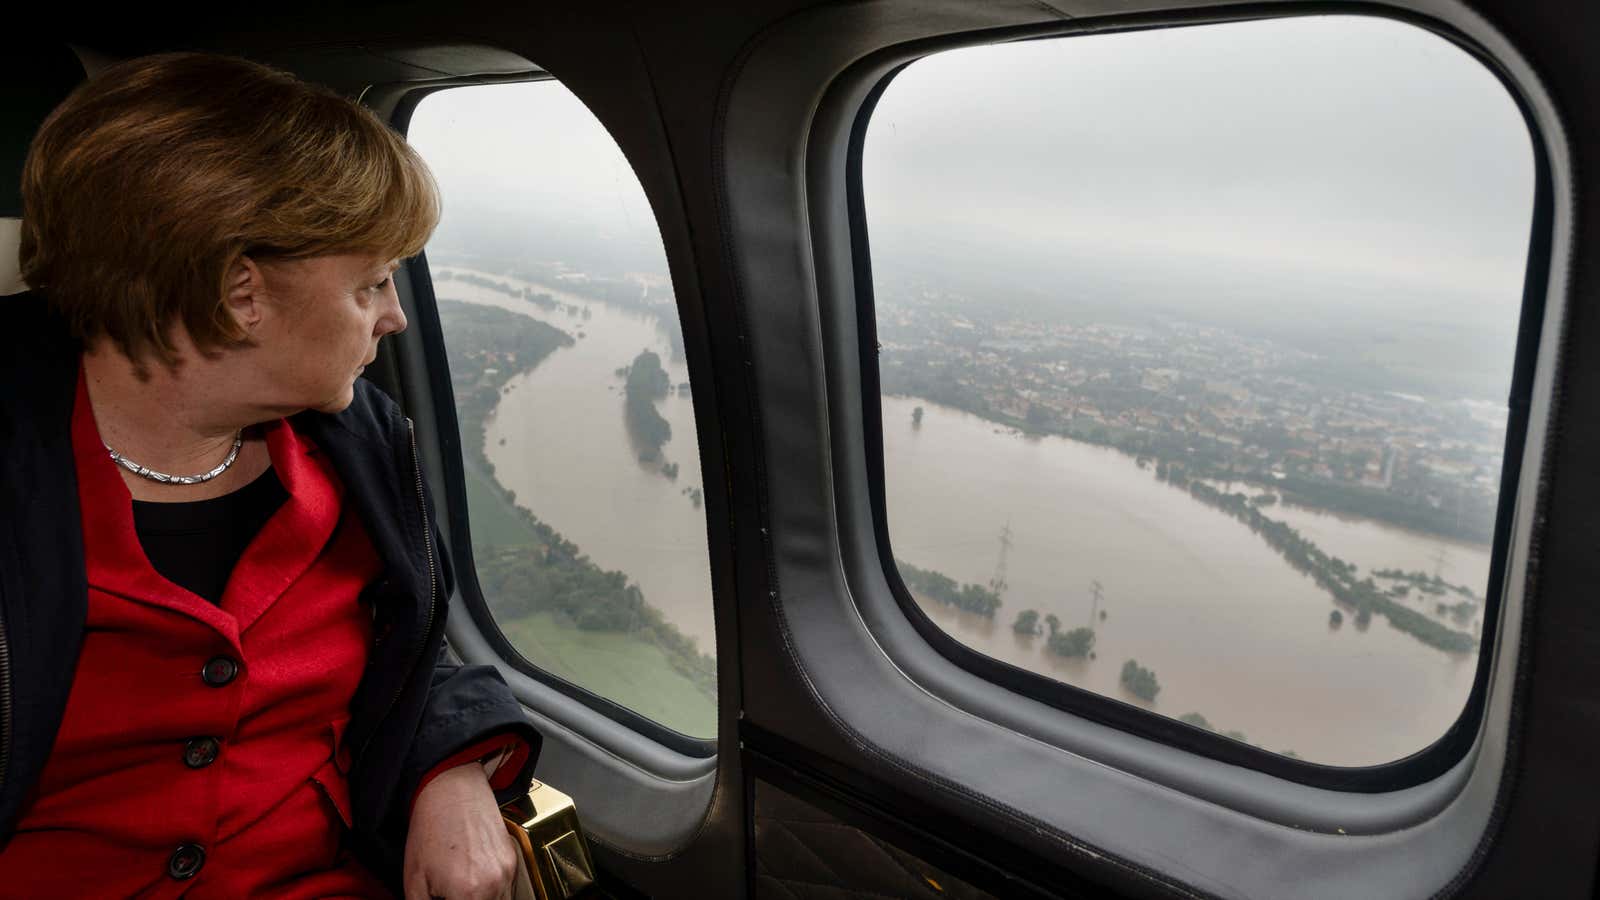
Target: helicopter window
1195	347
577	427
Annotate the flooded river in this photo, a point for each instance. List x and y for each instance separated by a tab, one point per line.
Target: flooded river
1231	631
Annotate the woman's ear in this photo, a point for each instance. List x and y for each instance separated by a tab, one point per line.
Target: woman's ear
246	289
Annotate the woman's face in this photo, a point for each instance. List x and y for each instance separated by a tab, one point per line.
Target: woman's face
318	325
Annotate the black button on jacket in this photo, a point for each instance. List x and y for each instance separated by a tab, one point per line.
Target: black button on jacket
411	711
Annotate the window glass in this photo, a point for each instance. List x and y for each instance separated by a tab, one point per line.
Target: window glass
577	428
1195	353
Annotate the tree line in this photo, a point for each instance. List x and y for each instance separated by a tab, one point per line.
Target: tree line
645	383
942	588
1332	574
1076	643
915	376
534	569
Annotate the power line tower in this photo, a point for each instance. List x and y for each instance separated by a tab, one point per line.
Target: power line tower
998	582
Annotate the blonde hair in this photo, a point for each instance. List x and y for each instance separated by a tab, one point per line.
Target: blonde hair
147	184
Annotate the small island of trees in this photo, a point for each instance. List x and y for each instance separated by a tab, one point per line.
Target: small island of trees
1075	644
524	567
944	589
1027	622
1427	584
1332	574
646	383
537	298
1139	681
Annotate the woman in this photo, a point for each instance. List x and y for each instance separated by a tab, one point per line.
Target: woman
221	590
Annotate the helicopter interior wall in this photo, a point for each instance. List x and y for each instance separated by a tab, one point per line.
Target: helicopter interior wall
638	798
763	293
1254	836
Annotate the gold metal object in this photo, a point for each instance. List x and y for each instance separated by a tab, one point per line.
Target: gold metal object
545	824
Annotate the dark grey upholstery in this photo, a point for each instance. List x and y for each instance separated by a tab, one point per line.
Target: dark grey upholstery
803	853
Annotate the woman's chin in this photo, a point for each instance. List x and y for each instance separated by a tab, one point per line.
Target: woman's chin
339	401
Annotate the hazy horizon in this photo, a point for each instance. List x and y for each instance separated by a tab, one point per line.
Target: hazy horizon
1344	203
1333	182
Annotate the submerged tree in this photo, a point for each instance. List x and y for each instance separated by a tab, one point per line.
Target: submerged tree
941	587
1027	622
647	383
1141	682
1075	643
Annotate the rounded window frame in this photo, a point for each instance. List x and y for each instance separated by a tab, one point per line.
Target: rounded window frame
1424	765
460	534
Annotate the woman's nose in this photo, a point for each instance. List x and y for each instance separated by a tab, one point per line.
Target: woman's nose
393	320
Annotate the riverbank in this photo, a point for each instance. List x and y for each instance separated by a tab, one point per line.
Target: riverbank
1210	458
1190	592
536	580
1337	577
1186	584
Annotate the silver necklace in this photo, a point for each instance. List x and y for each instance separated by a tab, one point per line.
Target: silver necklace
164	478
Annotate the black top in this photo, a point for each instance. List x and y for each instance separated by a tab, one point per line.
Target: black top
196	544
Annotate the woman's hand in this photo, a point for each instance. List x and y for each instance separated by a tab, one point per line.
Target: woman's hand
457	847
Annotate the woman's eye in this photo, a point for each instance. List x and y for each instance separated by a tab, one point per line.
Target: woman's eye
381	285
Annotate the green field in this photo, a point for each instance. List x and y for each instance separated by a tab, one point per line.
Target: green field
619	666
492	518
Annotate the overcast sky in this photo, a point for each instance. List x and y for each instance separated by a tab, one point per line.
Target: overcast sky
1354	143
1365	158
533	151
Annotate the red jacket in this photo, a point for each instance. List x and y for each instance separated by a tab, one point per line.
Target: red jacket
200	753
